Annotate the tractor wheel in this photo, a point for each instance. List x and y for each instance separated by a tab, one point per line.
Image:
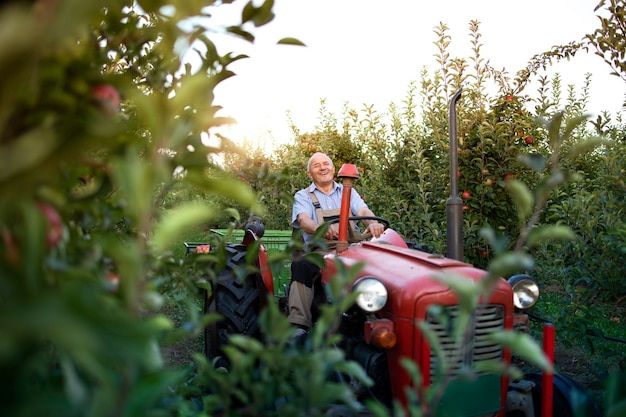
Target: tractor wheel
569	399
237	302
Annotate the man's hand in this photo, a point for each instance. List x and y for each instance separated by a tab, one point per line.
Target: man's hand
333	232
375	228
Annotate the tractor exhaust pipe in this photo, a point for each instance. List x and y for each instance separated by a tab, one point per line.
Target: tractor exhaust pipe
349	173
454	204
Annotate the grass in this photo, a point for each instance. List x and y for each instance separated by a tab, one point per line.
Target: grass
595	320
189	340
581	351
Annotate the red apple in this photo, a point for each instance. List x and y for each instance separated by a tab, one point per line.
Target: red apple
529	140
11	251
465	207
113	281
508	176
508	97
466	194
55	224
484	253
108	97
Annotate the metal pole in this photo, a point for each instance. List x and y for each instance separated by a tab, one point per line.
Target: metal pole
349	173
547	378
454	204
344	213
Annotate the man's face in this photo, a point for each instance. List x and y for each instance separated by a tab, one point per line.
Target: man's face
321	170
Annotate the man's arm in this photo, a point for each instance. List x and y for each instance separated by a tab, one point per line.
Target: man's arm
308	225
373	226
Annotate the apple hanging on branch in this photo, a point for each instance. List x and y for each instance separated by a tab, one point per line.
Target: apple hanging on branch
107	97
55	224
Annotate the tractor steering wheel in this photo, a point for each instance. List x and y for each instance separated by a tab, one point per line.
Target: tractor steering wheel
353	235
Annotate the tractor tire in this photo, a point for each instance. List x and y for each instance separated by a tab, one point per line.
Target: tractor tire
237	302
570	398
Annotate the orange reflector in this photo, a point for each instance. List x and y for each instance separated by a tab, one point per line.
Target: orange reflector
384	338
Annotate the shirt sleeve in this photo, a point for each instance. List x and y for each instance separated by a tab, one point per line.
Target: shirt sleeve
302	204
356	202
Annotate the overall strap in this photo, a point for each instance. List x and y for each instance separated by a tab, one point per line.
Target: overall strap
324	215
318	208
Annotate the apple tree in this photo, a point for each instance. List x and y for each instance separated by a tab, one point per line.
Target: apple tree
100	121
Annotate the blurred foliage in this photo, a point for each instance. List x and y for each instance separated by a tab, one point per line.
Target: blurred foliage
101	124
608	39
103	133
278	376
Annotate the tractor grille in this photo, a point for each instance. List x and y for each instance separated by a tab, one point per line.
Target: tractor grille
489	319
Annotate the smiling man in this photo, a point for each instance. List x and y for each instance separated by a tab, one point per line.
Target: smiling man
312	205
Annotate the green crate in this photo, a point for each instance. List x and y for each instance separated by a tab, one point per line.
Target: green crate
275	241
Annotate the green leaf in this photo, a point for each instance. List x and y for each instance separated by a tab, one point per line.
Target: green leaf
134	177
152	357
550	233
354	369
260	16
522	198
160	322
435	347
26	152
195	91
523	345
234	189
290	41
465	289
533	161
616	394
617	410
554	127
240	32
176	222
584	147
149	107
507	264
247	344
233	213
572	125
548	183
74	387
497	243
499	368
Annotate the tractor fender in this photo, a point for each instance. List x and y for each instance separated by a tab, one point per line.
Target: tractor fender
391	237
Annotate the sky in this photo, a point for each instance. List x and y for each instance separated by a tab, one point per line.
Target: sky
366	52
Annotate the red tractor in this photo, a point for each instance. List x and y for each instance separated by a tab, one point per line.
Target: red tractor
396	289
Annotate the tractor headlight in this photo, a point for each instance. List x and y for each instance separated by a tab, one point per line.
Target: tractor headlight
525	291
372	294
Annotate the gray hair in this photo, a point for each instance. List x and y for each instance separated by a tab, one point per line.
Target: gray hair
308	164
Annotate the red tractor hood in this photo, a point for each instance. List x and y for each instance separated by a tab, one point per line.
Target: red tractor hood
414	288
408	274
